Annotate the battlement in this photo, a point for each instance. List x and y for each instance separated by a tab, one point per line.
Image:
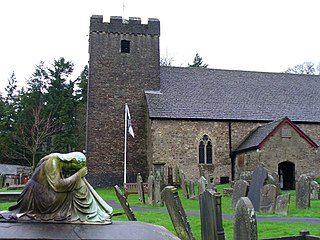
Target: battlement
120	25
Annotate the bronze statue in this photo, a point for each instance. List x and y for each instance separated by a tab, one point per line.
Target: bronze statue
49	196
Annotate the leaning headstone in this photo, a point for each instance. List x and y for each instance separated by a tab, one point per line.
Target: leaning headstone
202	185
282	204
177	214
240	189
268	198
192	194
211	215
140	189
314	192
258	177
125	205
151	189
157	189
303	192
245	222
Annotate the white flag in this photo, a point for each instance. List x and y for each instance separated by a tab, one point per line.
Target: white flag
130	129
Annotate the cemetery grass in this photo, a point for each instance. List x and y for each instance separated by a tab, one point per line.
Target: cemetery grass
265	229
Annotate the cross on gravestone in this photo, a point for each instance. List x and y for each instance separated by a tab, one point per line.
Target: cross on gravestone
151	189
240	189
202	185
245	222
282	204
211	215
177	214
268	198
191	190
124	203
258	177
303	192
140	189
157	189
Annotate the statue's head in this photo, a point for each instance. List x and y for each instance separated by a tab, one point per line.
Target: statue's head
73	160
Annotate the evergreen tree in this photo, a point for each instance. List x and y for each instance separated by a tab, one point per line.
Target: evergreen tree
198	62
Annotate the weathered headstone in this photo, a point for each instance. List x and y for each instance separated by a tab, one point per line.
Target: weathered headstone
140	189
157	189
211	215
314	192
258	177
177	214
158	168
303	192
282	204
184	184
177	176
246	175
275	181
125	205
202	185
151	189
268	198
191	190
245	222
240	189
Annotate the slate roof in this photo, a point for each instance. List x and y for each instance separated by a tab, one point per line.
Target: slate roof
212	94
258	136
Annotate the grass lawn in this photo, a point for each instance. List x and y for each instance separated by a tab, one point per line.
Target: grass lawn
265	229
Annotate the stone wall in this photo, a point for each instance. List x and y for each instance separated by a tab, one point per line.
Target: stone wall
278	149
116	78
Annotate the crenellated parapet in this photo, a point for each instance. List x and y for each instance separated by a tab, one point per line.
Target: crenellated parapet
120	25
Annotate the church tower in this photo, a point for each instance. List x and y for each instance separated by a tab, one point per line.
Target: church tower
124	61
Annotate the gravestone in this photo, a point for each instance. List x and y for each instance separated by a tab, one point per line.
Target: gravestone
246	175
177	214
303	192
282	204
211	215
259	175
192	194
314	191
157	189
245	222
125	205
177	176
240	189
202	185
158	168
268	198
184	184
170	176
140	189
151	189
275	181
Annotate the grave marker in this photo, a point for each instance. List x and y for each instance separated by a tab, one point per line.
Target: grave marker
303	192
240	189
282	204
125	205
268	198
140	189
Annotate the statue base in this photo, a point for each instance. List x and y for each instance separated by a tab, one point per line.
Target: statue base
116	230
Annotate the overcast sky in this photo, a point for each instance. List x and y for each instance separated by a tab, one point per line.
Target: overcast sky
257	35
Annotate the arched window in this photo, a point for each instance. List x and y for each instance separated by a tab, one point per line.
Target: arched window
205	150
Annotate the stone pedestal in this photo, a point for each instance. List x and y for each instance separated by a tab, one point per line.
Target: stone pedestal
117	230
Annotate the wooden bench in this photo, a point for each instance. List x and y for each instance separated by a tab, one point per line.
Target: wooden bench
132	188
9	196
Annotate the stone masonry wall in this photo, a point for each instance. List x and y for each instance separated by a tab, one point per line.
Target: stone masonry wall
278	149
116	78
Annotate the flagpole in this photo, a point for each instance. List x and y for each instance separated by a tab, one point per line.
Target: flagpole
125	144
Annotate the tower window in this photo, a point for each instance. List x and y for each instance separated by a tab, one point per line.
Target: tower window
205	150
125	46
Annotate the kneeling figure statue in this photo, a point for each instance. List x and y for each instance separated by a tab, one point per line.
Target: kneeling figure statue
49	196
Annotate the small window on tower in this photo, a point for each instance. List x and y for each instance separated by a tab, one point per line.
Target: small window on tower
125	46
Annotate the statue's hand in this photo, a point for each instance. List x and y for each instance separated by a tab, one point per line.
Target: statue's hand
83	171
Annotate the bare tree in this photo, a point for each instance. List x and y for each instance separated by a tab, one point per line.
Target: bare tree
304	68
33	137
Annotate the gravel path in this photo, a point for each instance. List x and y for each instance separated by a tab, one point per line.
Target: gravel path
226	216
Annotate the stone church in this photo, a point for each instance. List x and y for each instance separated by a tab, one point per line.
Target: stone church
219	121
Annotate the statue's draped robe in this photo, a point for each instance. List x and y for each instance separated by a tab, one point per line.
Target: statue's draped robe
50	196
